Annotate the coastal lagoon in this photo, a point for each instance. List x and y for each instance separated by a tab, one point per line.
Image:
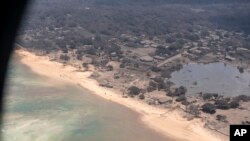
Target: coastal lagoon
38	110
220	78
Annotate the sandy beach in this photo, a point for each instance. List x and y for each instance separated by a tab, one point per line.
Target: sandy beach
168	123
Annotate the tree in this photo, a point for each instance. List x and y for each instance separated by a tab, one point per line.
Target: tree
208	108
133	90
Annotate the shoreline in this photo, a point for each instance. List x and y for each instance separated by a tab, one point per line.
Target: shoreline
172	125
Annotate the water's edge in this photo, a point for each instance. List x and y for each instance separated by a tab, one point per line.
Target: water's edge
91	118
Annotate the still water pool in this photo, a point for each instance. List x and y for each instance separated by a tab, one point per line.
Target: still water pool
213	78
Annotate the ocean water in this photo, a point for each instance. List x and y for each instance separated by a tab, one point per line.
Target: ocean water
36	110
218	78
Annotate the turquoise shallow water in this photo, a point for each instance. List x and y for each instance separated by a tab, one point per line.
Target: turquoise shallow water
213	78
38	111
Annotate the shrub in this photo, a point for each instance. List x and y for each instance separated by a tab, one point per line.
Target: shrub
64	50
150	88
162	85
161	50
170	93
159	83
80	51
85	65
192	37
221	118
155	69
243	98
122	65
193	109
208	108
169	84
195	83
126	60
110	68
185	102
79	57
101	63
180	91
133	90
136	65
166	73
64	57
170	39
153	84
204	33
116	76
158	79
131	44
234	104
245	122
141	96
113	48
87	41
222	104
209	96
181	98
241	69
90	51
95	75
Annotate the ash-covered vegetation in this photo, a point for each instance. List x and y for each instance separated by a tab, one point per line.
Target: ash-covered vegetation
64	24
135	45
